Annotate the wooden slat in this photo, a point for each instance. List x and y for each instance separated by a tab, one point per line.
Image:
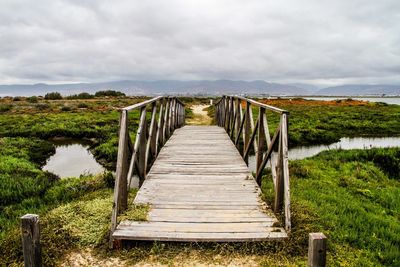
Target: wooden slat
197	237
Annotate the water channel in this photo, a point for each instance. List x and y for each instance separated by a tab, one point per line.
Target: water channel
302	152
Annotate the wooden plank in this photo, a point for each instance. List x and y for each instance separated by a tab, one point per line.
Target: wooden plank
203	206
242	227
208	213
197	237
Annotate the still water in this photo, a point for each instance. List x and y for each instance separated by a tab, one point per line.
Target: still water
387	100
72	158
302	152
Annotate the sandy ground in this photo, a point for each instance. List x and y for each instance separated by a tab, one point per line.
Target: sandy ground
200	116
88	258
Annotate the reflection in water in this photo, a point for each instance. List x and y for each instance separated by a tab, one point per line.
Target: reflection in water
302	152
72	158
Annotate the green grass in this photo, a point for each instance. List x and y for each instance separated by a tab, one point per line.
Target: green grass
356	198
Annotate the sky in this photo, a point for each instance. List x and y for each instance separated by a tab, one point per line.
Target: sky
317	42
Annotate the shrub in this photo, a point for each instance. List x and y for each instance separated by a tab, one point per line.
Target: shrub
81	96
53	96
32	99
42	106
82	105
5	108
17	98
65	108
109	93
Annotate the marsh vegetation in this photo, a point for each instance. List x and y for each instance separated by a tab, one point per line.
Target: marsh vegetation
352	196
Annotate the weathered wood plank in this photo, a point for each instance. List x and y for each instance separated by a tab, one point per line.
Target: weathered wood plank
198	237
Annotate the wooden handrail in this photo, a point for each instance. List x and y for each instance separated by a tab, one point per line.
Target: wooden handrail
167	114
258	104
235	114
142	104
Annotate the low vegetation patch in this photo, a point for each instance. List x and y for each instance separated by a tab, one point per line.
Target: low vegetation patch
356	199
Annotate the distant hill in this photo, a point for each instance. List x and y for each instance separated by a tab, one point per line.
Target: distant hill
360	89
161	87
202	87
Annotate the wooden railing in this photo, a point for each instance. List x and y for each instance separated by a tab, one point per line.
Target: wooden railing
166	114
235	114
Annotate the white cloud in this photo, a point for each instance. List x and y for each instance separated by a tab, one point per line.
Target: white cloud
283	41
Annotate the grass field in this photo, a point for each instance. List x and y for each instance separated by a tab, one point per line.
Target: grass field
352	196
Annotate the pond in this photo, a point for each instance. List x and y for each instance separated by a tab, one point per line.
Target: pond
302	152
72	158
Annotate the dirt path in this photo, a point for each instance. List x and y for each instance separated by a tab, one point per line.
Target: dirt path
88	257
200	116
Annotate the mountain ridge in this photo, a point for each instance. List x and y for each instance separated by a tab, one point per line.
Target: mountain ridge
201	87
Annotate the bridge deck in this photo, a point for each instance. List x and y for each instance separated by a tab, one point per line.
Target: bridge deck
200	189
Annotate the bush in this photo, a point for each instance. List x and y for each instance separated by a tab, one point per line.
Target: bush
32	99
109	93
81	96
17	98
82	105
5	108
65	108
43	106
53	96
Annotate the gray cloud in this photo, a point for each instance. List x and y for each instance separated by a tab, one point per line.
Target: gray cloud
326	42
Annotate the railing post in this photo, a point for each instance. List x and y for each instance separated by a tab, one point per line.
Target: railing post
151	141
285	170
122	164
279	192
182	115
172	118
247	127
141	138
238	120
216	115
226	122
260	143
160	132
316	250
167	119
30	229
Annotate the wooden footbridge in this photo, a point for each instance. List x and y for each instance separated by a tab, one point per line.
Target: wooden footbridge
195	178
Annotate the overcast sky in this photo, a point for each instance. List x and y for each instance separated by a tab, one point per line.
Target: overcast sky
319	42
